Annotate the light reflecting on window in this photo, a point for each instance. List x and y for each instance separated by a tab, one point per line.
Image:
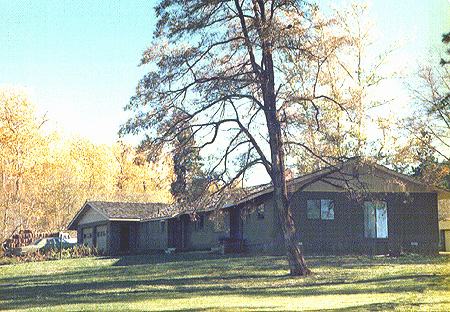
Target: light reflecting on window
375	219
320	209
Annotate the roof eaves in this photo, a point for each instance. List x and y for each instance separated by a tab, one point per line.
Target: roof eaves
125	219
298	180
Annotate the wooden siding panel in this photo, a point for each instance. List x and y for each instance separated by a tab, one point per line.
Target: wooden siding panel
375	181
91	216
152	236
262	234
257	228
444	224
319	235
206	237
412	224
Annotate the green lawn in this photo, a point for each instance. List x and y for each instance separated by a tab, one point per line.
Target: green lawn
201	282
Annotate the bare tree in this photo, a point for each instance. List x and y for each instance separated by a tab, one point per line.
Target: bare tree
427	127
336	90
215	74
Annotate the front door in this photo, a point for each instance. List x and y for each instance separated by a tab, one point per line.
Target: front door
175	233
235	224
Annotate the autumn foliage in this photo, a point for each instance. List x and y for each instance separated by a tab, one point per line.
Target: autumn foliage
45	176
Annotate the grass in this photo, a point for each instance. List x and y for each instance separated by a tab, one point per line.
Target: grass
202	282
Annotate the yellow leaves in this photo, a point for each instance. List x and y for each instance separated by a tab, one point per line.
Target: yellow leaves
45	176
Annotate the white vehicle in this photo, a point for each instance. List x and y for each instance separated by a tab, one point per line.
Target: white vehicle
65	237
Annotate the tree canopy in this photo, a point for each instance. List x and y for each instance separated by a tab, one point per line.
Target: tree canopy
46	176
427	126
219	73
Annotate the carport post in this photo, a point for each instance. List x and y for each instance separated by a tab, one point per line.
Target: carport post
60	246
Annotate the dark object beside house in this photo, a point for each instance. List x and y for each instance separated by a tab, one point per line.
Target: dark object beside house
232	245
358	207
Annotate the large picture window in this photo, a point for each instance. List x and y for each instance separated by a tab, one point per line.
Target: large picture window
320	209
375	219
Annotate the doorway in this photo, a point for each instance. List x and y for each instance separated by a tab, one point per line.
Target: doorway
175	233
124	245
236	224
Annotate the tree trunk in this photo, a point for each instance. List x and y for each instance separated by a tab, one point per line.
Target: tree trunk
295	258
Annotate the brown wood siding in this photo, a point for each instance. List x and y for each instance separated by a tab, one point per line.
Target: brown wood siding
316	235
207	236
412	224
260	234
152	236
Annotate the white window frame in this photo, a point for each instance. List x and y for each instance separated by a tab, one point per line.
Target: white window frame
375	219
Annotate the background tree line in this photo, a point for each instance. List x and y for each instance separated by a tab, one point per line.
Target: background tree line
46	176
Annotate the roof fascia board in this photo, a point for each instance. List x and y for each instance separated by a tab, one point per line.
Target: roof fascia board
125	219
155	219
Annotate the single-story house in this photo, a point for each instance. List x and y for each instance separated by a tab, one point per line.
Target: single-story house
444	231
118	227
357	207
113	227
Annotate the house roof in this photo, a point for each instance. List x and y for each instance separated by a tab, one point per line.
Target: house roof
122	211
129	212
347	171
215	201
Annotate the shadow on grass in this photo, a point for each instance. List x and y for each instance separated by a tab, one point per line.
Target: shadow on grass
148	277
131	260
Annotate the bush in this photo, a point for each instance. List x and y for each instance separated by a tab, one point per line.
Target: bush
78	251
7	260
81	251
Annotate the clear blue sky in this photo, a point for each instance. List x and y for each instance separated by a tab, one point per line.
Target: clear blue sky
79	58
